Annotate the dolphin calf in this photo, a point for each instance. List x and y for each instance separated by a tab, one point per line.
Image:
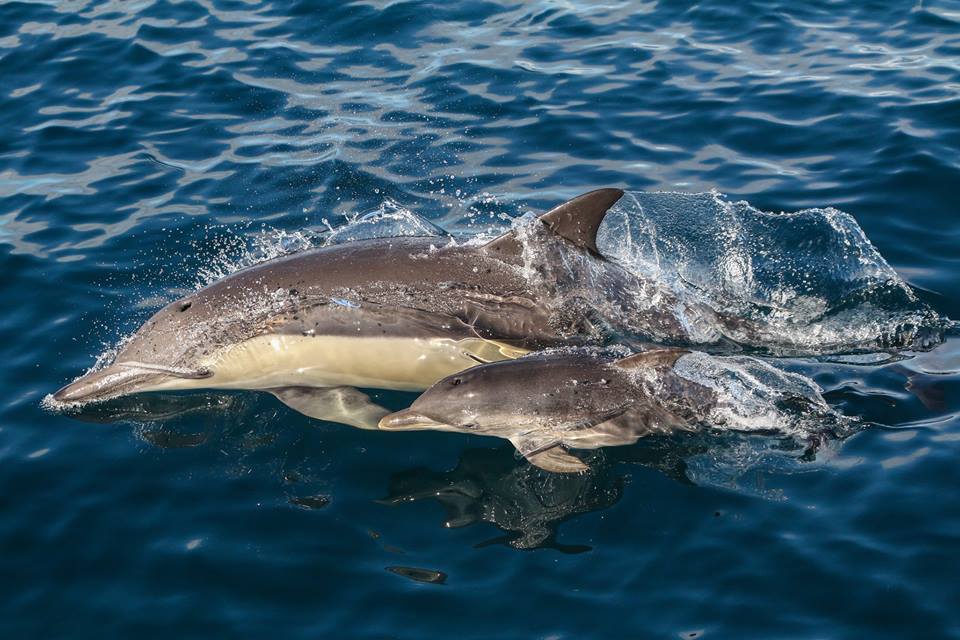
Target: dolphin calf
586	399
396	313
544	403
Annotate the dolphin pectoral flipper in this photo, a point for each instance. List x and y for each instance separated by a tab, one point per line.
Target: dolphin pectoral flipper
557	460
345	405
549	456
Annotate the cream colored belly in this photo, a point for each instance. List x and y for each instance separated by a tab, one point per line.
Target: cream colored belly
405	364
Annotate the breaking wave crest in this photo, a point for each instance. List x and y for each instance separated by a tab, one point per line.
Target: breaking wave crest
753	395
390	220
808	282
239	251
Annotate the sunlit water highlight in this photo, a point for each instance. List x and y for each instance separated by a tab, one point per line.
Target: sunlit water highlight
148	148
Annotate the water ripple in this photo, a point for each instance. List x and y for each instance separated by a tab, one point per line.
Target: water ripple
146	146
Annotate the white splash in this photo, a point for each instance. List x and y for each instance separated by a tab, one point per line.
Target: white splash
753	395
803	282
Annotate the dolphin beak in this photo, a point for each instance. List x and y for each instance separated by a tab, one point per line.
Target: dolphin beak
110	382
408	420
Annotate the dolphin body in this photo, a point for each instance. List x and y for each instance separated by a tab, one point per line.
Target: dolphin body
543	403
396	313
586	398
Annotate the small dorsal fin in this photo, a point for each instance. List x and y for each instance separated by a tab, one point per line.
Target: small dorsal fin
652	358
576	220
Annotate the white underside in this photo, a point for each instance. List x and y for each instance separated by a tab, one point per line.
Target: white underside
404	364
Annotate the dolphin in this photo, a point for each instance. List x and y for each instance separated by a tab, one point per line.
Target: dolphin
588	398
396	313
546	402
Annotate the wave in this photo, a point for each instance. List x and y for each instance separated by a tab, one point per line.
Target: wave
802	283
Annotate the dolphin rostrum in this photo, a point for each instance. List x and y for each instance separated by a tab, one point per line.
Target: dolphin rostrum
395	313
587	399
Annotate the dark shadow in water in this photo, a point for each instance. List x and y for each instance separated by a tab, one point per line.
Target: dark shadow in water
427	576
157	407
243	433
490	485
167	421
529	504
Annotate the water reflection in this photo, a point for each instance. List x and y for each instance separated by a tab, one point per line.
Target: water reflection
246	433
234	434
528	503
159	408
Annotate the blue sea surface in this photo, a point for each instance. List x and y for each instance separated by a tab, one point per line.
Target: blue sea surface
149	146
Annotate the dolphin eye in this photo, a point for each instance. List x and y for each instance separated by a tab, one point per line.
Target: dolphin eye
185	306
456	381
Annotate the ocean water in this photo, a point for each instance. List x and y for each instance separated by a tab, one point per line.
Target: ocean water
149	147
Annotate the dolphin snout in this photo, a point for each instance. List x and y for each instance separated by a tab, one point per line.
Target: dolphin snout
110	382
408	419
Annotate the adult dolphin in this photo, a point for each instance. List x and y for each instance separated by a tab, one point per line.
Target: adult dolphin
396	313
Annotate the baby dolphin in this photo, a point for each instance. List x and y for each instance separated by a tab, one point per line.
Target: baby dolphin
545	402
394	313
586	399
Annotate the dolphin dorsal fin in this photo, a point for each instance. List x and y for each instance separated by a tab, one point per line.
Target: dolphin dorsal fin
654	358
575	220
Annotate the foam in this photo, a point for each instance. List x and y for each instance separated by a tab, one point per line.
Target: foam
808	282
753	395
